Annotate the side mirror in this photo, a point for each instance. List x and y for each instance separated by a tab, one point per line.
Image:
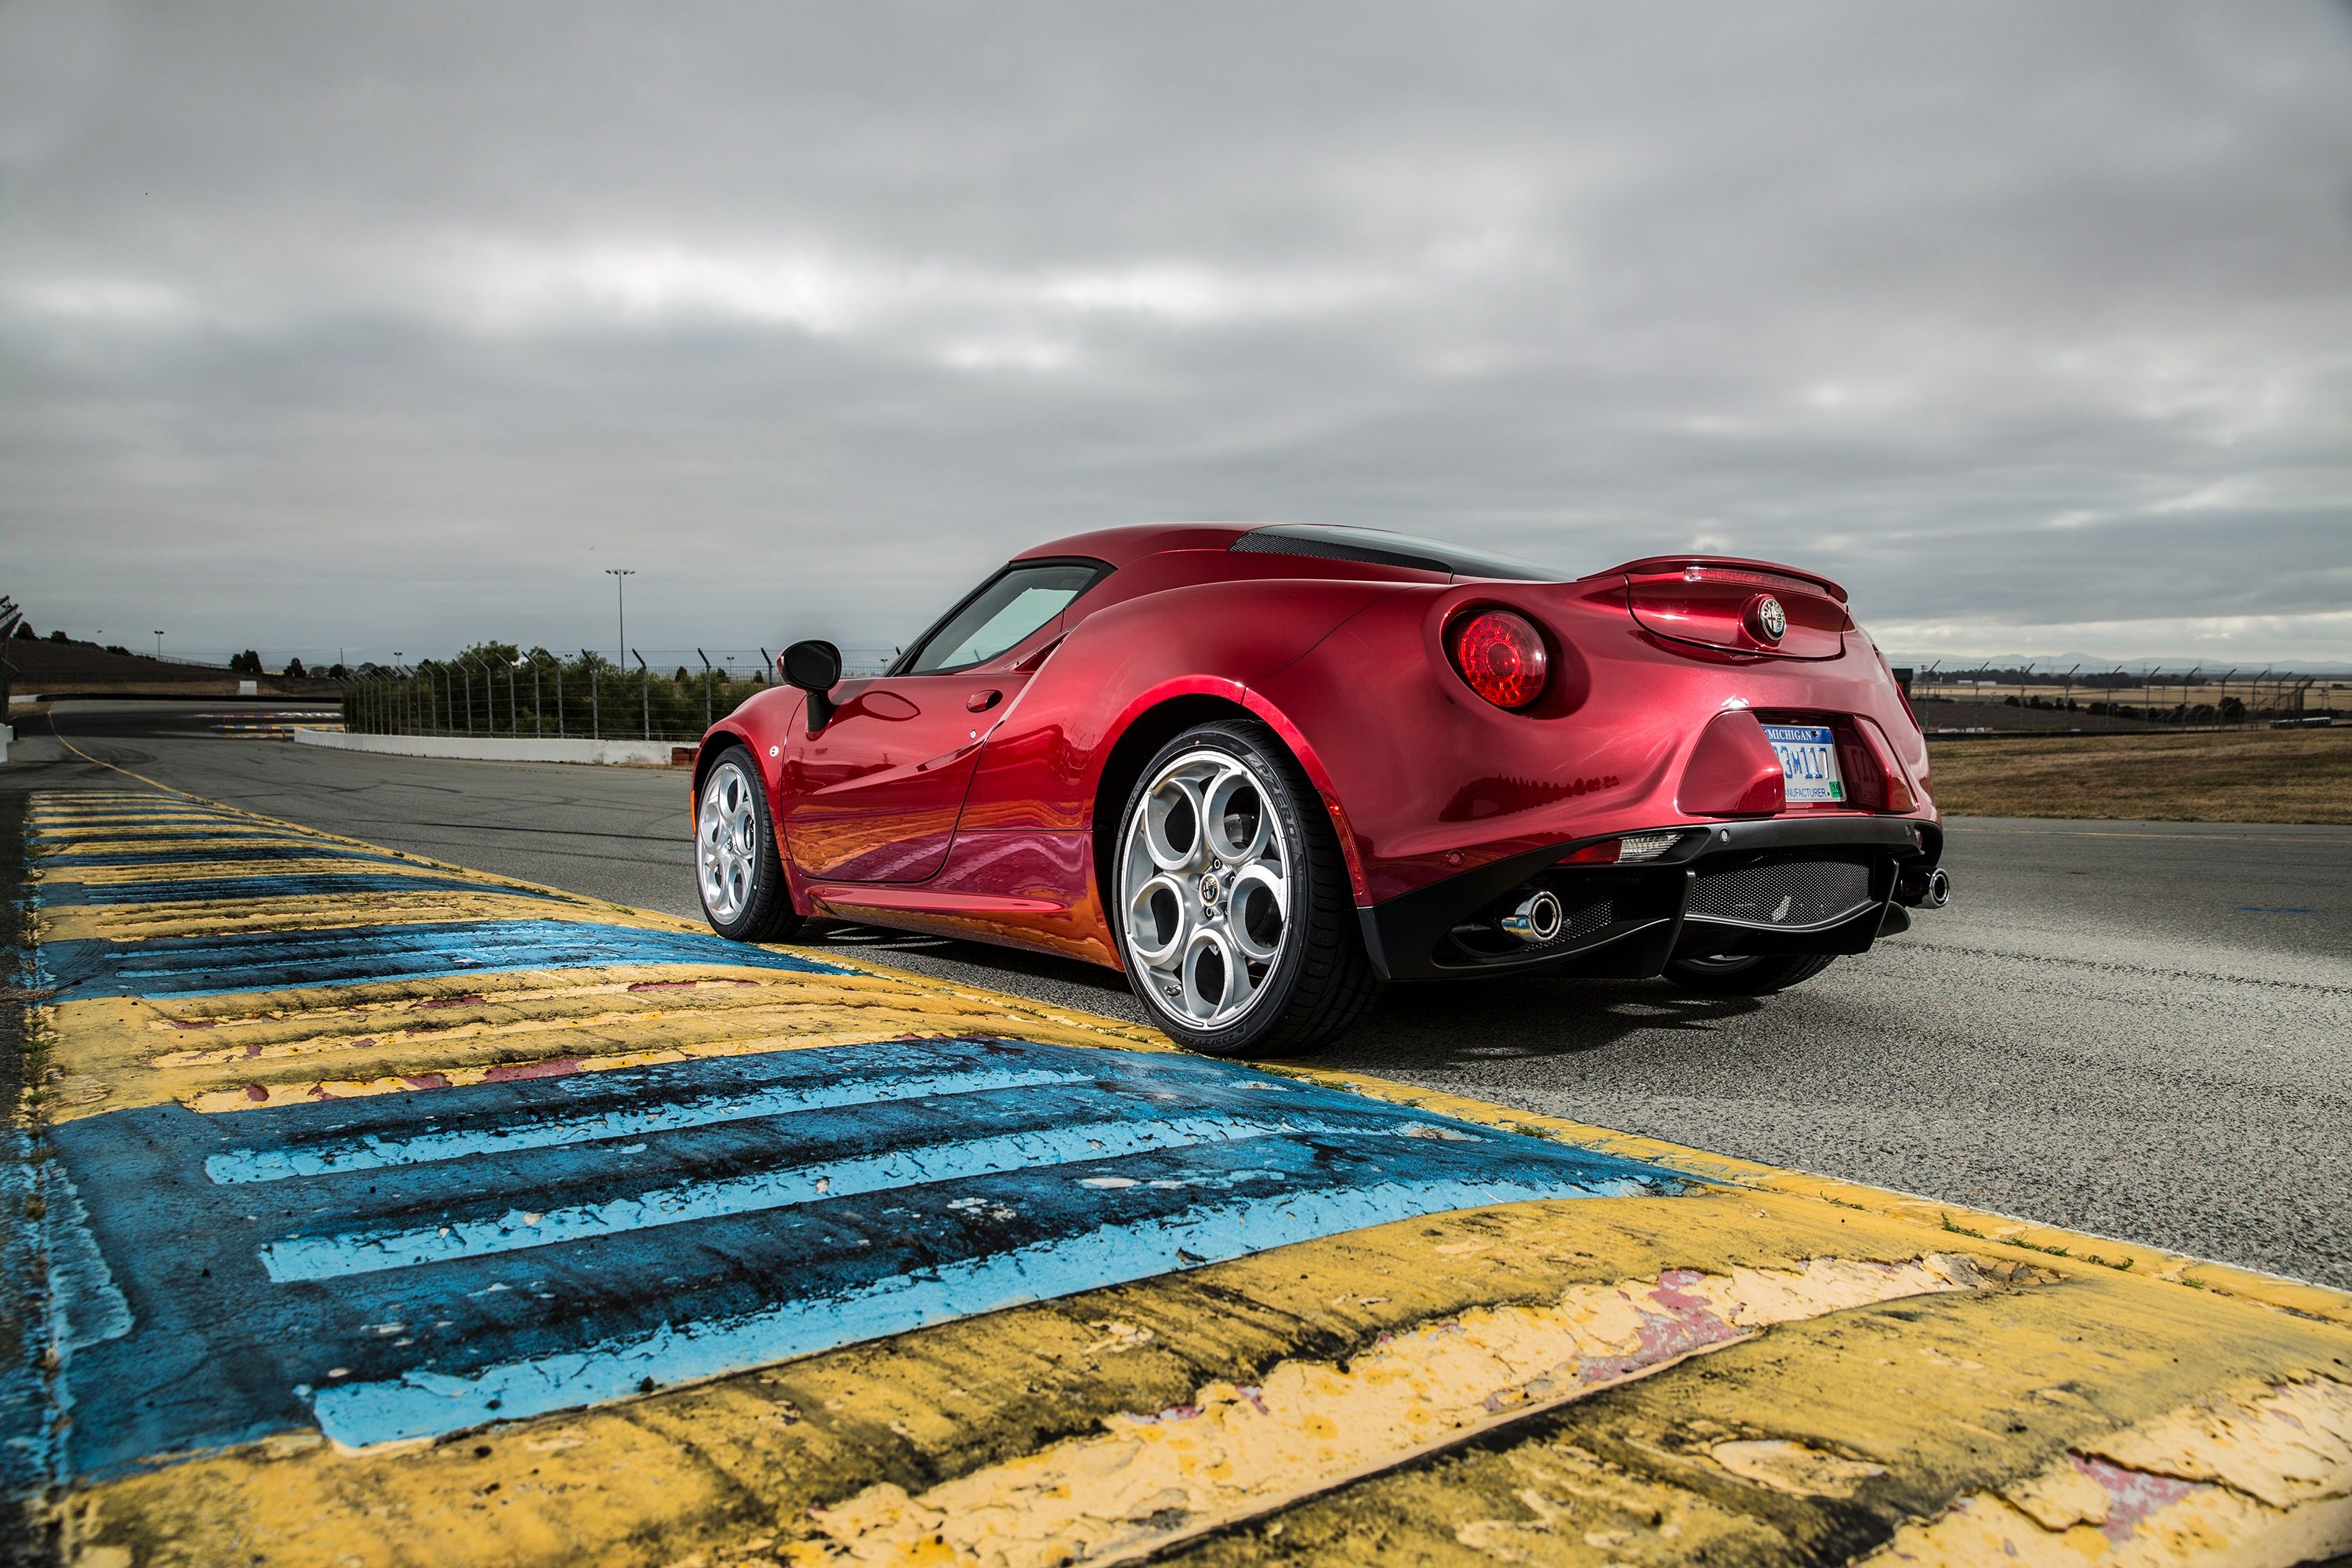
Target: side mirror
816	667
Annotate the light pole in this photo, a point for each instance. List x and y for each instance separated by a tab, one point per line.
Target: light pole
11	618
159	645
620	575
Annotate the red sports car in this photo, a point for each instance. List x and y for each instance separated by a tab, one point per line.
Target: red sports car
1263	770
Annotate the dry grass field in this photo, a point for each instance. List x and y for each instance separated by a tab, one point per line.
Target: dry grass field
2244	775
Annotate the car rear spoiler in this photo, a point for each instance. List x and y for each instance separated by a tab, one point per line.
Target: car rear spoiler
1653	564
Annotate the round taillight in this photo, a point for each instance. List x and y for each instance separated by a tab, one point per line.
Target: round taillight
1501	657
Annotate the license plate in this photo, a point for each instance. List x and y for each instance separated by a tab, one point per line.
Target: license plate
1809	762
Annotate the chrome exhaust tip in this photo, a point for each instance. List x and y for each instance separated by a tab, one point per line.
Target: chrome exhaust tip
1931	889
1535	920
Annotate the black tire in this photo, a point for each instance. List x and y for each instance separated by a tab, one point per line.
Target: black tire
1322	981
767	914
1756	975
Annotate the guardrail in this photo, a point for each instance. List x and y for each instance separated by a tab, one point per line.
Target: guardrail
504	747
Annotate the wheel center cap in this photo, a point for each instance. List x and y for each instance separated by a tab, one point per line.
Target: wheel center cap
1208	887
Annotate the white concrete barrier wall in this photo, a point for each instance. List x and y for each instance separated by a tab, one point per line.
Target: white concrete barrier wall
494	748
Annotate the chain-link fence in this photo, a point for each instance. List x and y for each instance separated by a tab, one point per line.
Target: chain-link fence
2114	698
494	689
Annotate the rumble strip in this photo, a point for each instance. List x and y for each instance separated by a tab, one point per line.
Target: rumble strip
381	1212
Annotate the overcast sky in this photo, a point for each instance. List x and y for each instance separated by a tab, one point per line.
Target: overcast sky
392	326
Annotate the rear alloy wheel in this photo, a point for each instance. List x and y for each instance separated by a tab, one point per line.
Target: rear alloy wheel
1752	974
1232	902
736	866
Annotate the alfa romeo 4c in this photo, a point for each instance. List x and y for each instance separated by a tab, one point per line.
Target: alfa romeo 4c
1264	770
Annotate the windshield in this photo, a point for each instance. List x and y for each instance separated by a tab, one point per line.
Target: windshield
1382	549
1013	603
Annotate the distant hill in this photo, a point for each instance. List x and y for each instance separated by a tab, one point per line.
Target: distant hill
42	668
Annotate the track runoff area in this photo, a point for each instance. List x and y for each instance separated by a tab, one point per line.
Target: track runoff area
384	1212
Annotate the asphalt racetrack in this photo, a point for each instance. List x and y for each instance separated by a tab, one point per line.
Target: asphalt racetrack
2138	1029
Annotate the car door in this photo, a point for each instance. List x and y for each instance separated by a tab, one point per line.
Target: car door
873	794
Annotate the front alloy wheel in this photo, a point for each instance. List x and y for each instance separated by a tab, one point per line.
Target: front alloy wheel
735	863
727	842
1232	904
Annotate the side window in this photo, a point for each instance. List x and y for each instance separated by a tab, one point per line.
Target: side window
1014	603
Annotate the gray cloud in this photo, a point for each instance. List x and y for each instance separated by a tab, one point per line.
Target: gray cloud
392	327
